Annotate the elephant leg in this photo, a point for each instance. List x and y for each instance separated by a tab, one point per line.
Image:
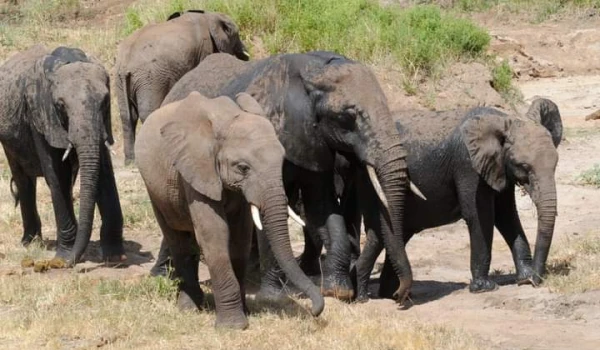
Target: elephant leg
309	260
508	223
240	244
213	235
163	262
58	176
26	195
186	258
364	265
477	209
324	217
111	231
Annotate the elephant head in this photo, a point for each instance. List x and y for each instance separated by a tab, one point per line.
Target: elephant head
519	151
69	100
224	33
321	103
215	147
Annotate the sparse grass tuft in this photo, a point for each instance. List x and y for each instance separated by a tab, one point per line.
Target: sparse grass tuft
502	75
576	266
591	176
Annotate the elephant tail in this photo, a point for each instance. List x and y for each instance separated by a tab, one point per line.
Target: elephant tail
126	84
14	190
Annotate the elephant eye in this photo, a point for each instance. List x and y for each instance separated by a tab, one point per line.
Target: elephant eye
242	168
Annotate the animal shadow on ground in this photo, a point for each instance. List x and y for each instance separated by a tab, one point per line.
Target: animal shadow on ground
93	254
283	305
422	291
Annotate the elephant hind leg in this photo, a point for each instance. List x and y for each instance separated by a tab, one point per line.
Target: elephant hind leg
186	257
26	196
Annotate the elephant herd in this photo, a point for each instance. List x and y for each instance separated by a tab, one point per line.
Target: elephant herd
230	147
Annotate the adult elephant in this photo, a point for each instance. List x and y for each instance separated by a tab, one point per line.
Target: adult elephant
467	163
151	60
319	103
210	167
54	122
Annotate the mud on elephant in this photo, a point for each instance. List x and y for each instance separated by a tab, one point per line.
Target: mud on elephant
319	103
55	122
211	167
467	163
151	60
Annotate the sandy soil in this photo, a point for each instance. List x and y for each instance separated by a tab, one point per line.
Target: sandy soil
556	60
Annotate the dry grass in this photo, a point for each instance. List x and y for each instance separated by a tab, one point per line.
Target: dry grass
575	266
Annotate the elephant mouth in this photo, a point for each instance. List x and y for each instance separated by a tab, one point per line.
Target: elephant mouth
256	214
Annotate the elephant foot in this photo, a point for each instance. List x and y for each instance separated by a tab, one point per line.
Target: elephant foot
115	260
186	303
63	253
340	288
160	269
232	322
482	285
525	275
270	293
309	265
30	238
361	298
129	161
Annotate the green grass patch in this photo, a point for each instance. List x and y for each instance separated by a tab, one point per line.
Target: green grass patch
421	39
502	81
591	176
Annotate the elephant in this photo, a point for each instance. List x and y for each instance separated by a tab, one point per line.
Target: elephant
467	163
151	60
53	103
211	168
319	103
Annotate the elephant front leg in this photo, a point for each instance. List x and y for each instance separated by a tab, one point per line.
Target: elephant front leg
213	235
477	208
240	244
323	216
58	176
365	263
111	231
508	223
25	195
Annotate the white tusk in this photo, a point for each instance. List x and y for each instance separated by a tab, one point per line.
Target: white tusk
295	217
377	186
416	191
256	217
109	148
246	53
66	155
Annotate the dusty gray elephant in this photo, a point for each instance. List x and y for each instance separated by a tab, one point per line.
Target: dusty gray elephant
320	103
54	122
467	163
211	167
151	60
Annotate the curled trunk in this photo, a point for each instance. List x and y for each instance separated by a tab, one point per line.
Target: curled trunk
546	207
274	211
89	165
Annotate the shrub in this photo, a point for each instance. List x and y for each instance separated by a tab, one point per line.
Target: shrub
591	176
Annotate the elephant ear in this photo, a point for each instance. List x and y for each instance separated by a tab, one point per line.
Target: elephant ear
191	146
174	15
249	104
484	136
222	31
545	112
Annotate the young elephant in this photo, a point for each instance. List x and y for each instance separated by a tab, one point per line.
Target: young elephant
152	60
467	163
55	122
211	167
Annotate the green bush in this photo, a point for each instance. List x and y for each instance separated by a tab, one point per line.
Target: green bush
420	38
591	176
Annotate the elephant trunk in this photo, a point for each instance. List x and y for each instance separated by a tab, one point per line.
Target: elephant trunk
545	201
275	213
89	165
391	170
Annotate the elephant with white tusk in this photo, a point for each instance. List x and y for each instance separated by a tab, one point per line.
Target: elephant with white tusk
212	167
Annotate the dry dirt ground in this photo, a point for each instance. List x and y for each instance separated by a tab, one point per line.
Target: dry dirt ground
558	60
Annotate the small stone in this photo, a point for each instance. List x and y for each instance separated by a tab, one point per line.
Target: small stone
2	256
